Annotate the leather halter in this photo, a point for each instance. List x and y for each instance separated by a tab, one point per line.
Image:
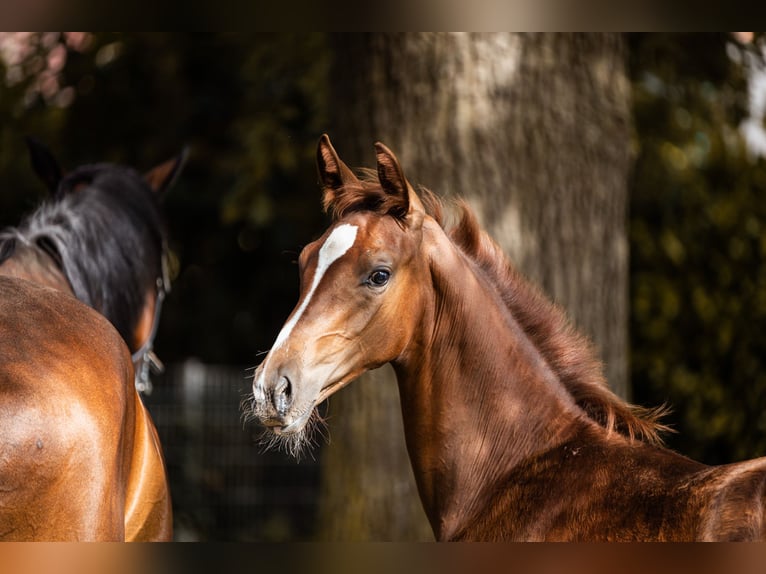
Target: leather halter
145	359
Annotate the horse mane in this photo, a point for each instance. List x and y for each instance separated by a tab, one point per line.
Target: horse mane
103	228
570	355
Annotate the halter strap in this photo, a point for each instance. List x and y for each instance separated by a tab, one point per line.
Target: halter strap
145	359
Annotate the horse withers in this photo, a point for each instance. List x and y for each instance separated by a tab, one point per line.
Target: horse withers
511	429
81	282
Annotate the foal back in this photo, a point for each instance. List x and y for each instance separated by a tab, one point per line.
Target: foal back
69	466
608	488
736	506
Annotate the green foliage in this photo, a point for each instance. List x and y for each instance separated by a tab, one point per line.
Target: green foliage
698	239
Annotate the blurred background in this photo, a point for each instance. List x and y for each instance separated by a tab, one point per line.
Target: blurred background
625	173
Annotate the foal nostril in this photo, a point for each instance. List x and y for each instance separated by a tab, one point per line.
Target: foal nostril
281	395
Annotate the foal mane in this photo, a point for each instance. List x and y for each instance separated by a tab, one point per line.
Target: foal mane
570	355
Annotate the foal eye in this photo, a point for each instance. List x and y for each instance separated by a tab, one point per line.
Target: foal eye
379	277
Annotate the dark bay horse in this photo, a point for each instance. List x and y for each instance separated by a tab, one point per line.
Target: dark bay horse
511	430
81	281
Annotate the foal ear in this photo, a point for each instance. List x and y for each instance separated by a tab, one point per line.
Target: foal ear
160	178
44	164
393	182
334	175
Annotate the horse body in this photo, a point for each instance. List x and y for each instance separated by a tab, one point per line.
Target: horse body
79	455
510	427
58	470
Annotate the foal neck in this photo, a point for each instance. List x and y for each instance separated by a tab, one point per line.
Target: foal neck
477	396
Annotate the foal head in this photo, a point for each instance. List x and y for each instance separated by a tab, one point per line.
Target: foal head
360	289
375	278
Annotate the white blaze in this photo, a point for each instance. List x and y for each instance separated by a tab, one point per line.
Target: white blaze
339	242
335	246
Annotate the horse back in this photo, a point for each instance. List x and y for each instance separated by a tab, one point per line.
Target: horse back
68	414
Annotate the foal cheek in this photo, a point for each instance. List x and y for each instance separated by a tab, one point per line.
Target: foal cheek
389	329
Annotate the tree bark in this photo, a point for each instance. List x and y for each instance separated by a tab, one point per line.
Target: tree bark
534	131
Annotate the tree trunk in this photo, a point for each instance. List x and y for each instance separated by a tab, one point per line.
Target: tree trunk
534	131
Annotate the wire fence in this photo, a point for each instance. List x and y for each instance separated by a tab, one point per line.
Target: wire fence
224	487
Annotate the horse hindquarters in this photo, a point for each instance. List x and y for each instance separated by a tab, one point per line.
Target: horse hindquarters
63	375
56	478
148	512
